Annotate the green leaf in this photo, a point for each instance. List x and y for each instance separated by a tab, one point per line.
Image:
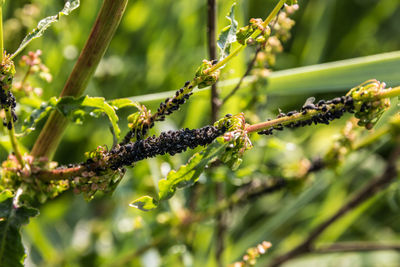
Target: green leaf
185	176
123	103
145	203
45	23
76	109
37	115
188	174
12	252
5	194
227	35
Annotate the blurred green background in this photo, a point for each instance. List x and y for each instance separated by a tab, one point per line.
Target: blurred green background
157	48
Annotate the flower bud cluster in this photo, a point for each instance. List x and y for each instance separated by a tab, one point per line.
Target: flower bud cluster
250	258
244	33
369	107
280	32
322	112
139	124
35	190
203	77
34	65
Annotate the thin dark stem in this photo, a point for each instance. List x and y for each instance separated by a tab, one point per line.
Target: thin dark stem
239	84
250	66
100	37
212	51
215	106
242	196
355	247
368	191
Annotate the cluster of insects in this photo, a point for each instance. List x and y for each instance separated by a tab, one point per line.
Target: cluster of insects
166	108
171	142
321	112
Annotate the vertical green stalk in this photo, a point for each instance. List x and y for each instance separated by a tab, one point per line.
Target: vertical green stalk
13	139
100	37
9	116
1	31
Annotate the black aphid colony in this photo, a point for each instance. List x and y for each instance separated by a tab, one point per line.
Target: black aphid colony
328	111
171	142
7	101
166	108
172	104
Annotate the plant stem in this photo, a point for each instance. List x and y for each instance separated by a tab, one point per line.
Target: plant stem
355	247
13	138
368	191
215	107
9	117
100	37
394	92
248	70
212	51
1	31
372	138
288	119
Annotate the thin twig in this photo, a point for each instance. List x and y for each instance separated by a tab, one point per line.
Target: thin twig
368	191
242	196
250	66
212	51
239	84
355	247
215	106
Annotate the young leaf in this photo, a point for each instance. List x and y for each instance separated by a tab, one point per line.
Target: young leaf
12	252
123	103
145	203
185	176
227	35
45	23
76	109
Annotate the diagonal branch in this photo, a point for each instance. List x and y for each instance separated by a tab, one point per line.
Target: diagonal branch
368	191
356	247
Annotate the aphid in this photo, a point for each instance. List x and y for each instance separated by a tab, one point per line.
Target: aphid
309	104
171	142
336	100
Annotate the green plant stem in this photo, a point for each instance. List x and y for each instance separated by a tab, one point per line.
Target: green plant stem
100	37
270	17
13	138
1	31
289	119
394	92
372	138
355	247
368	191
